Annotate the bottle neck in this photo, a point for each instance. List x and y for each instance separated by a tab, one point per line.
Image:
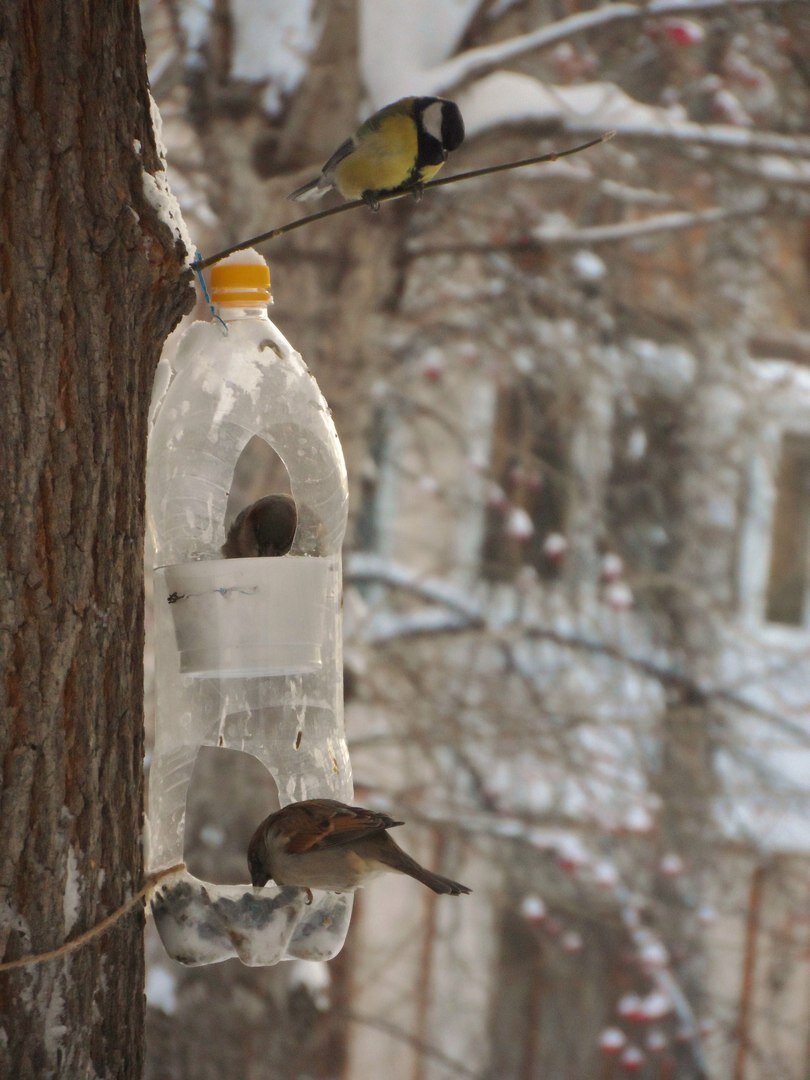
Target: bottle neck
229	313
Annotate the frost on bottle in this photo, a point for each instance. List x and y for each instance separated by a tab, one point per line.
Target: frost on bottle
247	641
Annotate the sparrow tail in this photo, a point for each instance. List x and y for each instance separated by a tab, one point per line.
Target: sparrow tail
439	884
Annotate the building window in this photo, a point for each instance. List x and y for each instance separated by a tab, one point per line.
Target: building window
643	490
788	577
528	494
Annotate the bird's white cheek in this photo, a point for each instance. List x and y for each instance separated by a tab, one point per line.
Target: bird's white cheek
432	120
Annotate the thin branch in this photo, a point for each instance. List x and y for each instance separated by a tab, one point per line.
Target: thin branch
752	929
355	204
426	1049
630	230
598	234
690	133
462	615
478	61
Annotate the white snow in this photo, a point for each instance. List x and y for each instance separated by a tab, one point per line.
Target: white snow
533	908
605	874
587	266
619	596
656	1041
401	42
611	1040
159	195
71	899
212	836
571	942
671	865
632	1058
161	989
638	819
314	976
500	7
273	43
195	20
652	955
466	65
243	257
612	566
55	1030
637	443
555	545
629	1005
655	1005
518	524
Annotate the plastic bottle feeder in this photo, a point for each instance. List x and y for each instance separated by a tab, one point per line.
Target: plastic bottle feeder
248	649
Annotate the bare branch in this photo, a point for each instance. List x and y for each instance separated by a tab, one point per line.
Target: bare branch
463	614
426	1049
677	221
478	61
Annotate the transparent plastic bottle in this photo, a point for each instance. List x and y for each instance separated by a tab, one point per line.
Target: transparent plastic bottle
248	650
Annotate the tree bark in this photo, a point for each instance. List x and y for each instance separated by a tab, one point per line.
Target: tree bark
90	285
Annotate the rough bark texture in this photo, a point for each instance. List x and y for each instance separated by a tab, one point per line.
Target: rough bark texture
89	287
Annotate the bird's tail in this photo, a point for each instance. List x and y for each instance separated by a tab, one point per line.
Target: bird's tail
313	189
439	884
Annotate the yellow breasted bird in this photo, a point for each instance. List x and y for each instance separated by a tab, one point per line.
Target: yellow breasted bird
396	150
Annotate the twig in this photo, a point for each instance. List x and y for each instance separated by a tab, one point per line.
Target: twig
599	234
749	967
94	931
478	61
421	1047
461	614
355	204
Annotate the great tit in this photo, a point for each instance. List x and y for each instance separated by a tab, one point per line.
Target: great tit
396	150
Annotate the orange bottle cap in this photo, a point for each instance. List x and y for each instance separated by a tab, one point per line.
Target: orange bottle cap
241	280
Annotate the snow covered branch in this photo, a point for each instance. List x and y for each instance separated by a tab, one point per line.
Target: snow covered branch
460	612
677	221
485	58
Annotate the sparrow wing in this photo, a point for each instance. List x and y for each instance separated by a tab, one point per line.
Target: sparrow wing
324	823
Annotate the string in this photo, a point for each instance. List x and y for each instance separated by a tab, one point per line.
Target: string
281	230
94	931
197	266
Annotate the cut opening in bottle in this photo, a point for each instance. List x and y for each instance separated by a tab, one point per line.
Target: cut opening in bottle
230	792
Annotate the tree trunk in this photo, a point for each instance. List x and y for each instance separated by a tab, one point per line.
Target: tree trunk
90	285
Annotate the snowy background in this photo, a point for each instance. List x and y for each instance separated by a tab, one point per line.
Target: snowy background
575	409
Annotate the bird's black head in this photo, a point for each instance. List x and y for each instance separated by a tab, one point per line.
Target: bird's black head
452	126
441	128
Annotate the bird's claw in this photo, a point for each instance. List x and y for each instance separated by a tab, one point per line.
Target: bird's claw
309	896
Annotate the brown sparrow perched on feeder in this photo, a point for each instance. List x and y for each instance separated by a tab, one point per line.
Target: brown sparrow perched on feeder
324	844
266	527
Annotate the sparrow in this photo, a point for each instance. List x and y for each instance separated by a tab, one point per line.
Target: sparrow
324	844
266	527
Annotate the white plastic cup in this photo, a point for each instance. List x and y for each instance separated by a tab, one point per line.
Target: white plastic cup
243	618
